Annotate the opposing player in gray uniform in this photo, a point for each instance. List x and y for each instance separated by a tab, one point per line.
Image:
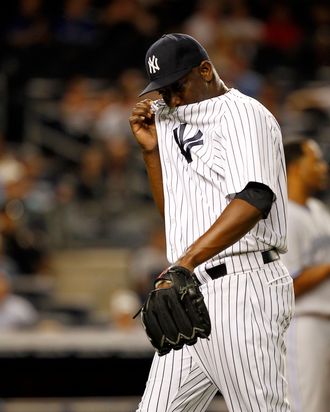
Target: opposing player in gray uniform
216	166
308	260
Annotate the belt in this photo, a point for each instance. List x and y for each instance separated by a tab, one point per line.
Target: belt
221	270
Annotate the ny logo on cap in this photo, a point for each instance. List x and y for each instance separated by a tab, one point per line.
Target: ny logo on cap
153	64
185	145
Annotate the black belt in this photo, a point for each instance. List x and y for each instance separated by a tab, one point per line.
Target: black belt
221	270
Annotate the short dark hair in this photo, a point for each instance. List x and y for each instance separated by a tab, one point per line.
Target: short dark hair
293	149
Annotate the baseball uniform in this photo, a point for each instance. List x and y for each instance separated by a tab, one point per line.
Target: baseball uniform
210	151
308	338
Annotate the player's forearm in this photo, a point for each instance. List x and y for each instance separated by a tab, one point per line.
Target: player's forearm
153	166
236	220
310	277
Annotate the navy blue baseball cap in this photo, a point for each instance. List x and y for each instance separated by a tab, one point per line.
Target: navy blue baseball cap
170	58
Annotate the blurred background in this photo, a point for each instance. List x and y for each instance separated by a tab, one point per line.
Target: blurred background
80	238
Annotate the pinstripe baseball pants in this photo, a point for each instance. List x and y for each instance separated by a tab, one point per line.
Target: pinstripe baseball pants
244	357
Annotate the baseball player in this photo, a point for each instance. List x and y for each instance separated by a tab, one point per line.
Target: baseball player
215	162
308	260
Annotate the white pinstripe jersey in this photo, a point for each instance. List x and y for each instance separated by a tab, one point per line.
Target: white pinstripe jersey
209	151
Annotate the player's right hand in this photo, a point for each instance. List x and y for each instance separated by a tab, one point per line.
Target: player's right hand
142	121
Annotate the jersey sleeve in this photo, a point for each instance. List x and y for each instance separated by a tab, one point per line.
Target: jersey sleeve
294	257
251	135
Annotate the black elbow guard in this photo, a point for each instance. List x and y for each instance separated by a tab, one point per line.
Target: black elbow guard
259	196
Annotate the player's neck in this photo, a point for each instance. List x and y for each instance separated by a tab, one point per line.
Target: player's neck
216	87
297	192
221	88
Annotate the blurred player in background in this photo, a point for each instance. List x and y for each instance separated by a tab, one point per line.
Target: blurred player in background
308	260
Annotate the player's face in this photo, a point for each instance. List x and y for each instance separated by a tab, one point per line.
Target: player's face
172	94
187	90
314	168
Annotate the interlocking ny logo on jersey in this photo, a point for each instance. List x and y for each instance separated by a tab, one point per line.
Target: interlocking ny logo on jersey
153	64
186	145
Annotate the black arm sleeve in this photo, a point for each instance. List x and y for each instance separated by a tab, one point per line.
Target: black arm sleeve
259	196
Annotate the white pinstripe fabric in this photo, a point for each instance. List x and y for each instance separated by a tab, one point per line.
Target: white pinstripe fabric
241	143
244	357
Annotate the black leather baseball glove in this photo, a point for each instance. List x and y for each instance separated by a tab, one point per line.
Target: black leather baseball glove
174	313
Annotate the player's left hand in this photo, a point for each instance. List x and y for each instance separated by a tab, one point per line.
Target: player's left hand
175	313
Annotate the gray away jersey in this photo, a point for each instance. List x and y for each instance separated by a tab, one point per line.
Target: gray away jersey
309	245
209	151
